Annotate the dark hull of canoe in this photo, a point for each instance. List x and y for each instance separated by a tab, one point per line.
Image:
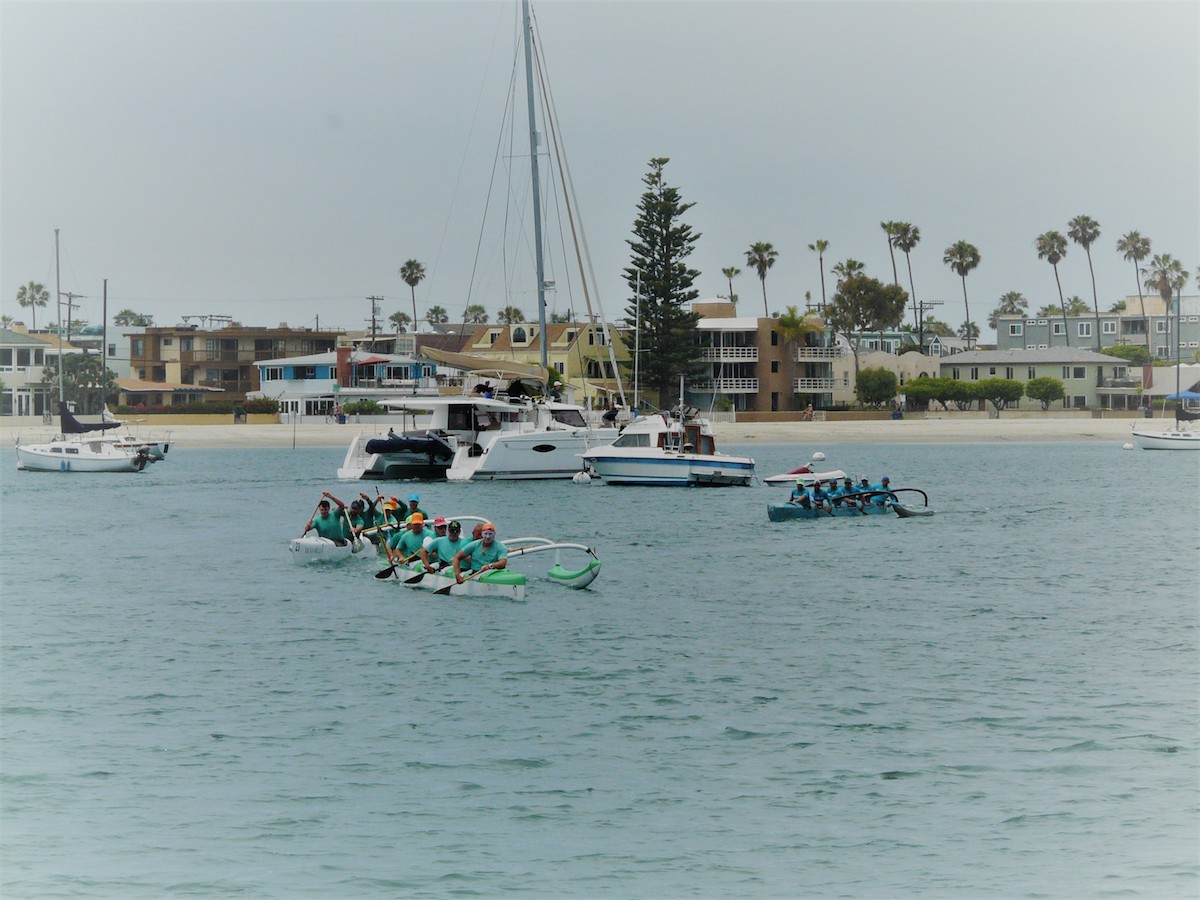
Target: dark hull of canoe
787	512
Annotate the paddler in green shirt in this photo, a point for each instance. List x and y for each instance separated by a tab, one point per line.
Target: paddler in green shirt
408	543
440	552
414	507
327	523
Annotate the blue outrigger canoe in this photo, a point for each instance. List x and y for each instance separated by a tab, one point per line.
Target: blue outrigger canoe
786	512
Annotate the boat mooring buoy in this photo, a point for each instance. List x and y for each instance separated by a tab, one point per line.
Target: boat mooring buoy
818	456
581	477
1127	446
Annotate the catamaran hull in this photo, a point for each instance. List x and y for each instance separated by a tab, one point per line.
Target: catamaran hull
527	455
370	458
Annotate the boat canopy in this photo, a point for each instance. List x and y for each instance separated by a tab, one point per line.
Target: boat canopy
501	368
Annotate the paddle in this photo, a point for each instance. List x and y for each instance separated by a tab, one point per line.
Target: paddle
395	564
316	509
390	570
448	588
355	540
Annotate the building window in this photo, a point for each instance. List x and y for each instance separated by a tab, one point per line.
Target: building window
186	343
954	373
1160	327
560	368
974	373
272	373
1066	373
1162	351
1015	329
23	358
774	339
112	351
1058	328
168	342
6	359
1078	402
1008	372
1031	373
1085	329
1108	326
492	337
1079	372
135	347
774	367
519	336
992	370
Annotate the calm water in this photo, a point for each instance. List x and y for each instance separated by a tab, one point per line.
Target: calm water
1000	700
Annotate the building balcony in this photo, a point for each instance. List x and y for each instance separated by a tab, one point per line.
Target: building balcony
814	385
810	354
729	354
727	386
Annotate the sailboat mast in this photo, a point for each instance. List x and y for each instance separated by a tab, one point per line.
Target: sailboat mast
58	306
533	167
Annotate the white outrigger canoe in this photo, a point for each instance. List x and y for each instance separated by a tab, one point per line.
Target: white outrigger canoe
312	548
502	584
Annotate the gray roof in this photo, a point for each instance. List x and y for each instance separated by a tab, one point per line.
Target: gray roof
19	338
1048	356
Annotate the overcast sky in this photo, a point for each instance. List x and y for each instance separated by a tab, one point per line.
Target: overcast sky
278	161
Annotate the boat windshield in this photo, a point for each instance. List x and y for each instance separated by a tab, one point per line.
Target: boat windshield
572	418
633	440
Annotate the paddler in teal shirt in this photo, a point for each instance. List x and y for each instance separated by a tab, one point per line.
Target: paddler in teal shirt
328	524
408	542
485	554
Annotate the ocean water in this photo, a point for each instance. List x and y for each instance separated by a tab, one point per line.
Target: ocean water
996	701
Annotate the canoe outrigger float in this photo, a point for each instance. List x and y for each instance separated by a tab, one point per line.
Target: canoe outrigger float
315	549
785	512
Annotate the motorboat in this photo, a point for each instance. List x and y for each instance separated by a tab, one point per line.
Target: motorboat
672	448
804	475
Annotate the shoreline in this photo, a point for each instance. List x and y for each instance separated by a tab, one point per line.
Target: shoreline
950	430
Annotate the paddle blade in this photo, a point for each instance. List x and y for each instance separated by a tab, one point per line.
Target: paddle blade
446	590
385	573
416	578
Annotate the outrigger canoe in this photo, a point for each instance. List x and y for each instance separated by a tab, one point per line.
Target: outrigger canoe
314	549
505	584
785	512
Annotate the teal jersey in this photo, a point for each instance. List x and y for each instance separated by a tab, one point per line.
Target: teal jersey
408	513
444	548
799	494
481	556
407	542
332	526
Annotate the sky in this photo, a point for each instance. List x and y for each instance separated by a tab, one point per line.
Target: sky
279	161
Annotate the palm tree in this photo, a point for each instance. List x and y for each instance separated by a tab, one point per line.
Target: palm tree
5	321
819	247
1165	275
510	315
762	256
1052	247
891	229
401	321
1084	230
968	331
413	274
1136	248
731	273
906	237
1012	303
33	295
792	328
475	314
437	315
963	258
847	269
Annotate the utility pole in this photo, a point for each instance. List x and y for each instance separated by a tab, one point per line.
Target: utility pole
921	308
375	301
70	308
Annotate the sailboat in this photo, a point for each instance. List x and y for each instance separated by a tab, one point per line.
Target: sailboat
524	431
79	447
1180	434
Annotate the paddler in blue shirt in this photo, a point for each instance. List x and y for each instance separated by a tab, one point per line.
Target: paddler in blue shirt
800	495
440	552
843	495
414	507
485	554
820	496
882	499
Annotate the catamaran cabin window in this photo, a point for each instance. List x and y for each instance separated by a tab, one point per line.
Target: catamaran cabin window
572	418
632	440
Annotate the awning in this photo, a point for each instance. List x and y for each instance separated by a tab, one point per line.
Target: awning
501	368
370	361
1183	395
135	386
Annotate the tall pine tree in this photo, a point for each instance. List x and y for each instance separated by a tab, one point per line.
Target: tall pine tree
660	246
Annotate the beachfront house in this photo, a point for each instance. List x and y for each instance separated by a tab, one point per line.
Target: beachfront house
1126	326
1091	380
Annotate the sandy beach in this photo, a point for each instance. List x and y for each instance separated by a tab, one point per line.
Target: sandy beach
910	430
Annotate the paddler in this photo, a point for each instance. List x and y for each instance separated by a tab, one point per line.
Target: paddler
440	552
843	495
882	499
414	507
820	496
485	554
800	495
327	523
407	542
